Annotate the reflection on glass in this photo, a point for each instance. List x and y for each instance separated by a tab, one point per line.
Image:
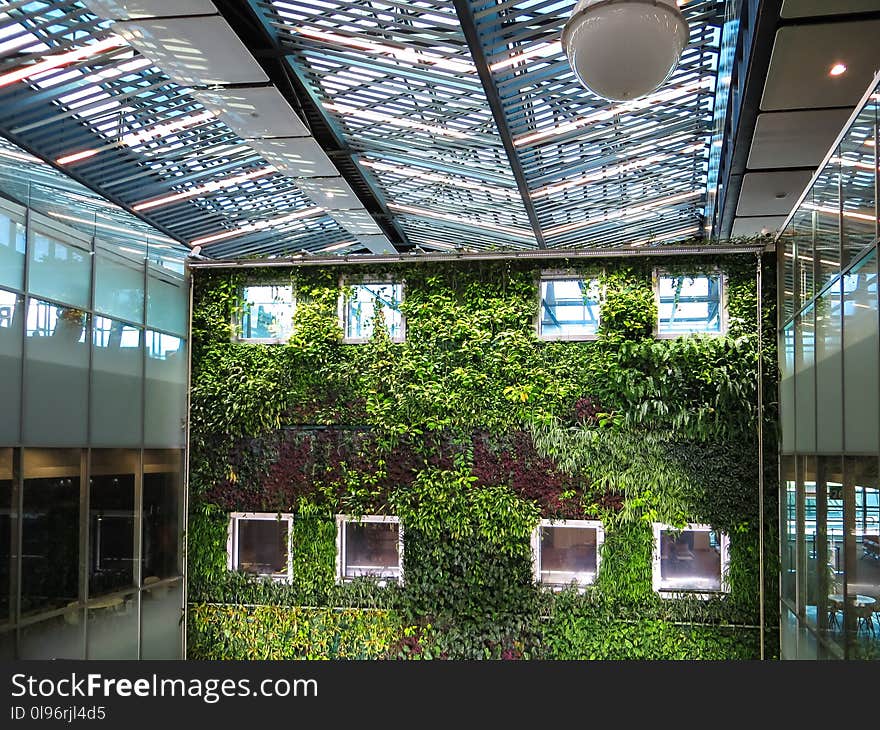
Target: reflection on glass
788	514
57	374
59	270
119	285
823	203
690	560
111	520
12	248
689	304
366	302
11	321
371	549
161	616
569	308
161	528
267	313
165	401
113	627
60	637
167	301
805	380
863	559
50	529
7	548
567	554
860	357
786	387
829	371
858	178
116	398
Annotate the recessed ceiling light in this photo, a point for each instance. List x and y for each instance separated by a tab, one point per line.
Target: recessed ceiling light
837	69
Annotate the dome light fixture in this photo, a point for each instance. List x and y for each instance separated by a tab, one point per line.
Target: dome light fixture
624	49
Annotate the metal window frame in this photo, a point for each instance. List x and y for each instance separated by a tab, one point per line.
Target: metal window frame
341	557
232	540
724	549
535	542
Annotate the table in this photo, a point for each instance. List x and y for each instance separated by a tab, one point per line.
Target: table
835	601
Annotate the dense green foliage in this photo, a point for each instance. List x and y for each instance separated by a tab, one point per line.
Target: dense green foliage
470	431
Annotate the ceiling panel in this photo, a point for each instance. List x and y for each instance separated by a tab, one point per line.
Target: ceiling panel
202	51
332	193
296	156
123	9
257	112
795	139
812	8
802	56
757	225
771	193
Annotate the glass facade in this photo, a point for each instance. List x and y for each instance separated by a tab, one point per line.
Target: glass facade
569	308
93	373
829	359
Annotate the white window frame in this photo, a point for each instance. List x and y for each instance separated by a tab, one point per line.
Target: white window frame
723	317
237	323
342	305
656	578
569	276
232	541
341	521
536	549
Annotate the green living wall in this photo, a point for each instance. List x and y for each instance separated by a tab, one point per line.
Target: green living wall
470	431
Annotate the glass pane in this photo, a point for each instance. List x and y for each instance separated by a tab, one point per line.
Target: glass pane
805	381
161	523
860	357
262	546
165	399
50	529
7	547
267	313
161	616
786	388
59	270
111	520
371	549
116	396
113	627
788	515
690	560
858	178
826	514
569	308
11	323
60	637
824	202
57	375
689	304
568	554
119	285
361	310
829	371
12	248
862	560
167	302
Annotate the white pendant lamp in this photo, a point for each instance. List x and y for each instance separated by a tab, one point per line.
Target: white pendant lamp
624	49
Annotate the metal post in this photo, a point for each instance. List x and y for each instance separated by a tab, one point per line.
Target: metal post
760	454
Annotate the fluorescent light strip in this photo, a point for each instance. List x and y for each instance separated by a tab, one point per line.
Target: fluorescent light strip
844	162
18	156
372	116
76	157
601	175
107	226
614	215
208	187
418	173
408	55
540	51
61	59
421	212
666	95
258	226
836	211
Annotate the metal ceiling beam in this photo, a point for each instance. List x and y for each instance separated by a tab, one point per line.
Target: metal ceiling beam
469	28
255	31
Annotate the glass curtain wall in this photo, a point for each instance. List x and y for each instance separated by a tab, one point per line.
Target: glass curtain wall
830	404
93	373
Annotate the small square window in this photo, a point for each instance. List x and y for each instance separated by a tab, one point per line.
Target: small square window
259	542
266	314
359	306
689	304
569	308
370	546
692	560
566	552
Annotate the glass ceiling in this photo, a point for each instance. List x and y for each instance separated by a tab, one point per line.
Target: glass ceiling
463	116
